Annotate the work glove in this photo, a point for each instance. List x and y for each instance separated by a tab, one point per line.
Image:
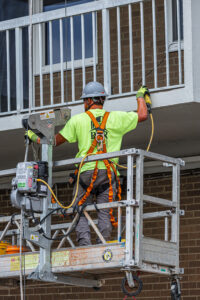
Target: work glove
142	92
31	135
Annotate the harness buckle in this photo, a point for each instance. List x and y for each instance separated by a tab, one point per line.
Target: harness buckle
100	139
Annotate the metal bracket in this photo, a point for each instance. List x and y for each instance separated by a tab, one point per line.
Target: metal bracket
129	278
175	287
35	237
47	276
126	203
127	265
167	165
179	271
43	275
182	212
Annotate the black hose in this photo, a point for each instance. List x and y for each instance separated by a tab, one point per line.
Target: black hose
50	213
71	230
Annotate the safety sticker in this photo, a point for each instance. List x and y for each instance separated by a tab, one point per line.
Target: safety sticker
34	237
21	184
47	115
31	262
107	255
60	259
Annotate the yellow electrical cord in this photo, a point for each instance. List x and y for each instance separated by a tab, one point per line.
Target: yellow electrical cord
77	184
149	144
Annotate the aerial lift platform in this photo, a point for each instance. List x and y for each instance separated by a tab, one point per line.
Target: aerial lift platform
130	252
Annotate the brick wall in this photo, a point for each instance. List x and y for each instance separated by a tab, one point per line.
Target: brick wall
125	60
155	287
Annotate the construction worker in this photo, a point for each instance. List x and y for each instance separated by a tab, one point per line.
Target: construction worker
84	128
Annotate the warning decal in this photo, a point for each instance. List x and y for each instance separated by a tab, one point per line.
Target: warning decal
47	115
60	259
31	262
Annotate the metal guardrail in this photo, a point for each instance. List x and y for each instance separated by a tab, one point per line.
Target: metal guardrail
36	28
148	251
121	153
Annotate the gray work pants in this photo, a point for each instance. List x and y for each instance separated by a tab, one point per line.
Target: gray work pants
104	224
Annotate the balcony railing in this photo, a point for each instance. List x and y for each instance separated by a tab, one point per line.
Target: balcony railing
129	41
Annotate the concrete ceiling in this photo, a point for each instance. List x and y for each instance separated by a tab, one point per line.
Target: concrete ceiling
177	134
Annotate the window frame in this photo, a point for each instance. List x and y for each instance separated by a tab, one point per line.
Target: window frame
38	8
172	45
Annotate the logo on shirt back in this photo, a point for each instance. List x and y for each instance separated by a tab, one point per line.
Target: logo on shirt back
93	129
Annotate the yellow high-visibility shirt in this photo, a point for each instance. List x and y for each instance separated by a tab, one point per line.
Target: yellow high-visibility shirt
81	129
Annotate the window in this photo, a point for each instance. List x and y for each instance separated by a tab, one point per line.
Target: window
173	24
49	5
67	33
11	10
174	20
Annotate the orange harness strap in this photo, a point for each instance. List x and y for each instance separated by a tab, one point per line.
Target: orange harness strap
109	165
90	187
96	124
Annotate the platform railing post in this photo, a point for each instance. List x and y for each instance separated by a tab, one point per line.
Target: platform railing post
175	217
45	254
139	209
129	213
119	228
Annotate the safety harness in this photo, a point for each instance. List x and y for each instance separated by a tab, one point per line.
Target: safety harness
100	143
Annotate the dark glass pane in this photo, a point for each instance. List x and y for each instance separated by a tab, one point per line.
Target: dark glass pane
11	10
12	70
174	19
25	55
52	5
3	73
88	36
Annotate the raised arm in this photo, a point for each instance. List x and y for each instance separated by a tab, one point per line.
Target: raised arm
142	103
58	139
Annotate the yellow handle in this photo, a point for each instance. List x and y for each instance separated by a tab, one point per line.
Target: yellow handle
147	99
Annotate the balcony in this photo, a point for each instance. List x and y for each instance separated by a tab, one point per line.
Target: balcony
48	59
130	46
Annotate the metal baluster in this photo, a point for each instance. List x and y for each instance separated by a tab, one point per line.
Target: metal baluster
179	41
142	41
131	46
83	47
94	46
106	50
61	61
166	43
154	44
30	32
51	60
41	63
8	68
119	50
19	68
72	57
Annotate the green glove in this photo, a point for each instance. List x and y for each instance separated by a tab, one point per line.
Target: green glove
31	135
142	92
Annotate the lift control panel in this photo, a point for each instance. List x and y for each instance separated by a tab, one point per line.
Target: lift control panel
27	191
26	177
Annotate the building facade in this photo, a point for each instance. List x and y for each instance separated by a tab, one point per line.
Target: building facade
51	49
